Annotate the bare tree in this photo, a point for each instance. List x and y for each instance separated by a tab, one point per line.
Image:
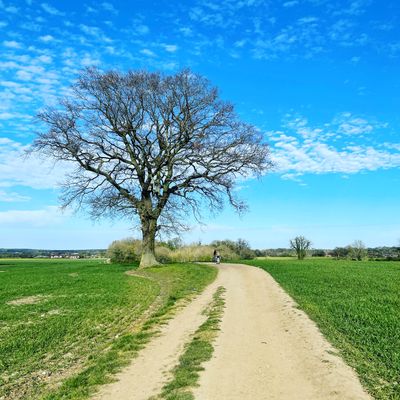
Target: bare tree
358	250
300	245
150	146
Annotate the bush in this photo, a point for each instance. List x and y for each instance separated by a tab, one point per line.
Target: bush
234	250
129	250
193	253
164	254
125	251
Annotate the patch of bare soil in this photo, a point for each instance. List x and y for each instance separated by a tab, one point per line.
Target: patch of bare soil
27	300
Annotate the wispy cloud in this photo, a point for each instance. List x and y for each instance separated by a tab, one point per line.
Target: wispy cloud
291	3
148	52
142	29
51	9
350	125
171	48
12	197
109	7
32	218
9	8
46	38
12	44
302	149
16	169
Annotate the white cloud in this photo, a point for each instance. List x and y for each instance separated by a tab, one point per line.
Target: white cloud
186	31
142	29
6	115
45	59
51	10
292	3
24	75
356	7
148	52
171	48
9	9
88	60
18	169
91	30
12	197
109	7
353	125
32	218
12	44
307	20
305	149
46	38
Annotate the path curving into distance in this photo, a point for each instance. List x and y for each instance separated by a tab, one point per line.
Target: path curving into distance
267	349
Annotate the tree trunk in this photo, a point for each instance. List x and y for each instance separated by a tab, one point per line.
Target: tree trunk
149	228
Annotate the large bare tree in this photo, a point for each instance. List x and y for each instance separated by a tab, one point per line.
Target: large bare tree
150	146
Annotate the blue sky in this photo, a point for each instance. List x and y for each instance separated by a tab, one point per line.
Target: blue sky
320	78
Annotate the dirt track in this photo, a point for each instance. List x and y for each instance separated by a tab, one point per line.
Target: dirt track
267	349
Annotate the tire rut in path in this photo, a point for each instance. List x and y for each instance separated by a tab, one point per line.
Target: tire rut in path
268	349
148	372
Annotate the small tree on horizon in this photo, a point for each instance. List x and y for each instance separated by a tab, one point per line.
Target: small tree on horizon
300	245
151	148
358	250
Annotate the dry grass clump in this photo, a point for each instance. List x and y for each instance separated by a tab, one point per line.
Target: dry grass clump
192	253
129	251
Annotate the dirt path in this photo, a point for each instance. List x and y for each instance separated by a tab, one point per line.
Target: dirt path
267	349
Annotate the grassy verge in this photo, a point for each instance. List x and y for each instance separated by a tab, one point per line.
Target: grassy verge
357	306
66	326
199	350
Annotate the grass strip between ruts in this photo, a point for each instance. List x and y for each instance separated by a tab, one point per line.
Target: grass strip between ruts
199	350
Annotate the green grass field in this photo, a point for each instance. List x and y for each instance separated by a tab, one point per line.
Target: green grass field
66	325
357	307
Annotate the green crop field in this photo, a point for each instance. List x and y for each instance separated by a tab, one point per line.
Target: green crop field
67	325
357	307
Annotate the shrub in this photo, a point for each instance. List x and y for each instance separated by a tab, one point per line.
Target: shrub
129	250
125	251
164	254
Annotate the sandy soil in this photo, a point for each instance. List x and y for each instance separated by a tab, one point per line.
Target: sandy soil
267	349
27	300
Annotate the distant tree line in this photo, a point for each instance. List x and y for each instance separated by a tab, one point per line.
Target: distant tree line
174	250
384	253
355	251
